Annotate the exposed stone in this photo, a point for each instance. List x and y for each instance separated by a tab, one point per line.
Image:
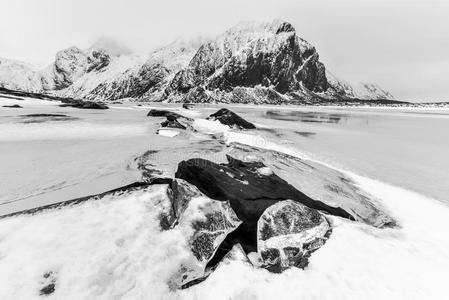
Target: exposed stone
172	122
249	192
287	233
187	105
83	104
97	60
164	113
227	117
205	224
48	283
13	106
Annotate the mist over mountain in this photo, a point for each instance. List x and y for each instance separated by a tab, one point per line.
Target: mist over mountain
249	63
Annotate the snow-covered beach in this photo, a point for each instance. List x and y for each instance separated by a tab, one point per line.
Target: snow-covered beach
114	247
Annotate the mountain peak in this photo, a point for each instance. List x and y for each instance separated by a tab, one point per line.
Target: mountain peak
111	46
276	26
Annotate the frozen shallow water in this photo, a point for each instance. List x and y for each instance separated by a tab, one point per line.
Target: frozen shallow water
114	248
405	147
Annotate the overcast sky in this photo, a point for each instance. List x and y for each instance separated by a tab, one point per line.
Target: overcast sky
403	45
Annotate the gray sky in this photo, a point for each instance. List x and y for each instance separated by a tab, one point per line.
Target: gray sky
403	45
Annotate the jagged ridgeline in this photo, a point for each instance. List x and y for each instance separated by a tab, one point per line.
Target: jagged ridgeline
249	63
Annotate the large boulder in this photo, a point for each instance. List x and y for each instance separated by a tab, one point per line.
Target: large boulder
83	104
287	233
205	223
250	188
227	117
12	106
172	122
164	113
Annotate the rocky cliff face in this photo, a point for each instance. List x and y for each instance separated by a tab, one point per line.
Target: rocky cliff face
249	63
267	57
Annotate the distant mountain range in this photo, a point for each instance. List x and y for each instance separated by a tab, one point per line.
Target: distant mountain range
249	63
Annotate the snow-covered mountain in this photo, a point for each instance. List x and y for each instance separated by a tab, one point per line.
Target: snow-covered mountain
16	75
368	91
249	63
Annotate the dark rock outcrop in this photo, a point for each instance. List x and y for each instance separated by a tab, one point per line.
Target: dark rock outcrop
287	234
187	105
83	104
250	188
227	117
12	106
48	283
172	122
97	60
164	113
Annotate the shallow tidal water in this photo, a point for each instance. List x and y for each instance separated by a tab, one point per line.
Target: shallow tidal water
404	147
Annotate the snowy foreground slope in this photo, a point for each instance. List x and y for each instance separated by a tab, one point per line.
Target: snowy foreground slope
114	248
249	63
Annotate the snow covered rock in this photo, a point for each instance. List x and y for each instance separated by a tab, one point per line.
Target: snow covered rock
83	104
287	233
97	60
205	223
227	117
182	193
249	192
